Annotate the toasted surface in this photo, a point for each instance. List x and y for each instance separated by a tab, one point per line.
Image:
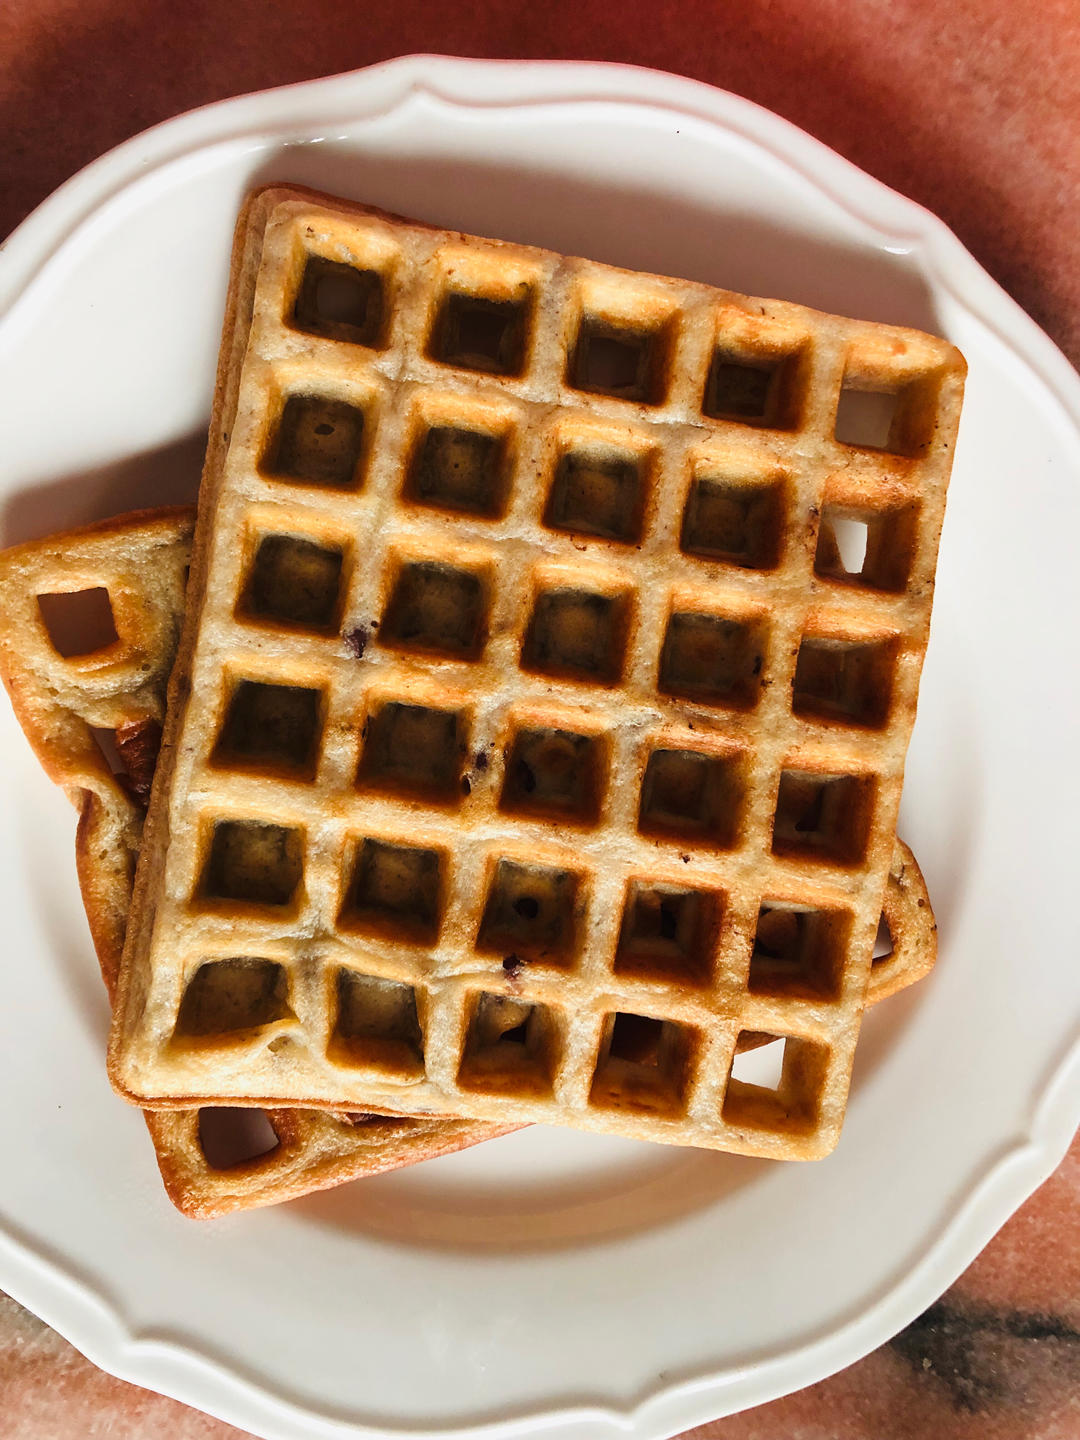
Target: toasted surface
532	722
93	718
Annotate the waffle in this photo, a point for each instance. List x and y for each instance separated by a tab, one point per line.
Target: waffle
61	701
532	738
93	717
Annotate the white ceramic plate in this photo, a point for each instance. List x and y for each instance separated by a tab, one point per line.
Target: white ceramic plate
551	1281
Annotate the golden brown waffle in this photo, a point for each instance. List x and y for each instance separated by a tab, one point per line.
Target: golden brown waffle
529	739
93	717
62	701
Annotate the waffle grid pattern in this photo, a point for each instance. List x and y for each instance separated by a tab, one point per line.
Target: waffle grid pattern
522	706
70	703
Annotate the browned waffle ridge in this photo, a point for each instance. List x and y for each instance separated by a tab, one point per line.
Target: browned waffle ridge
467	500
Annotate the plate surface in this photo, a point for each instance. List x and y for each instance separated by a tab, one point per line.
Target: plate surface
553	1282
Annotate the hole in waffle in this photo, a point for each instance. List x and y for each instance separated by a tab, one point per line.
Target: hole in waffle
510	1046
578	634
598	492
437	607
473	332
644	1064
761	1064
798	951
790	1105
850	536
668	932
737	522
883	941
233	1135
694	796
318	441
340	302
394	890
226	996
825	817
531	912
846	680
880	412
556	773
275	728
874	548
377	1025
253	863
713	659
456	468
756	390
619	360
78	622
414	750
294	582
865	418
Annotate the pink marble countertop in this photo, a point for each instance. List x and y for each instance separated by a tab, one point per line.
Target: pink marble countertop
971	108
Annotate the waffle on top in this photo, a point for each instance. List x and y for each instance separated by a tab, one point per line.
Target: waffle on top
529	740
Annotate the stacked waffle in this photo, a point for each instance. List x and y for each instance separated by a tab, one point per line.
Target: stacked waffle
533	742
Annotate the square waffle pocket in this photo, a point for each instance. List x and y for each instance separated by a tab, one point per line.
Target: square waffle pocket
539	721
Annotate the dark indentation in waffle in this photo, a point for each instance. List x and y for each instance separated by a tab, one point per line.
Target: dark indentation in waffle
579	634
376	1024
414	750
253	863
78	622
293	581
105	740
510	1046
886	551
318	441
355	640
272	728
531	911
790	1109
473	332
437	607
130	752
799	951
825	817
137	744
668	932
230	1136
341	302
456	468
621	360
556	773
226	996
598	491
644	1064
394	890
695	797
873	413
737	521
713	659
761	390
846	680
